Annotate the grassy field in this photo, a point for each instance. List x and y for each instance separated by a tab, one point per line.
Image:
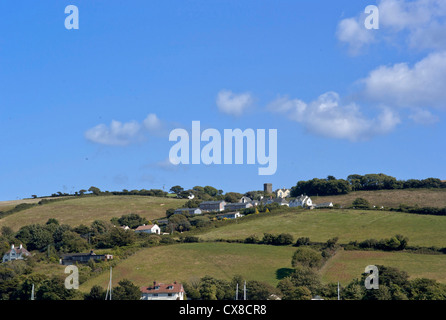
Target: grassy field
186	262
84	210
189	261
7	205
348	225
347	265
391	198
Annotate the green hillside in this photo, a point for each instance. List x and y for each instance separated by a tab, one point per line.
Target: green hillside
391	198
190	261
186	262
348	225
347	265
84	210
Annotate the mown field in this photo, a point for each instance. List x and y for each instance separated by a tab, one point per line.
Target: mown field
189	261
347	265
84	210
391	198
348	225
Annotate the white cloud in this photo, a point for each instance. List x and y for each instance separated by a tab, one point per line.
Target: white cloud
422	85
420	24
123	134
118	134
152	122
328	118
353	32
233	104
424	117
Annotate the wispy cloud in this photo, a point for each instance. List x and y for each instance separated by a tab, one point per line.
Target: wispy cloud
232	103
353	32
424	117
123	133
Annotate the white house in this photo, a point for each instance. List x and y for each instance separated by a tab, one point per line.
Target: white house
283	193
190	211
230	215
245	199
282	202
15	254
151	228
160	291
302	201
324	205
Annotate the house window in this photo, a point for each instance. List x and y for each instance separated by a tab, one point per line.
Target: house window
155	294
169	294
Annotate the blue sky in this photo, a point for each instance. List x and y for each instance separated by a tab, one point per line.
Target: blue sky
343	98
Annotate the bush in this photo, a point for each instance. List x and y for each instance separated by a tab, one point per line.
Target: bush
302	241
282	239
306	257
361	203
167	240
252	239
190	239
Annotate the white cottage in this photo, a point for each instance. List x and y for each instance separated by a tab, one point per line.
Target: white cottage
160	291
151	228
245	199
230	215
302	201
19	253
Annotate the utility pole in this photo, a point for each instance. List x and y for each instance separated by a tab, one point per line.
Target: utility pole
109	288
236	292
338	292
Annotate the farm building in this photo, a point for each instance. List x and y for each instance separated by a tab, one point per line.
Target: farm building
212	205
237	206
68	259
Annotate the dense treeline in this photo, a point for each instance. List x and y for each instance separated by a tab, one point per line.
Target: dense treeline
421	210
356	182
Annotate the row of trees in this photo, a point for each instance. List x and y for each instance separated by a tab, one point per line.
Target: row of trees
17	279
356	182
55	238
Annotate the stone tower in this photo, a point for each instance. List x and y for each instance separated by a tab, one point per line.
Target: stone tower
268	187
